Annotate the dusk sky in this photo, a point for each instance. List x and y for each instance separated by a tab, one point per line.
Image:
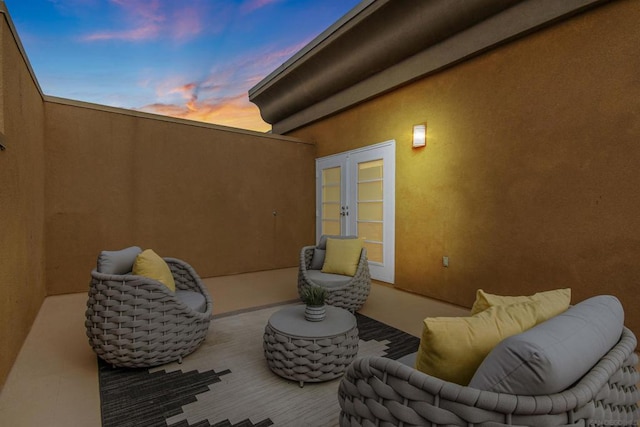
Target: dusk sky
194	59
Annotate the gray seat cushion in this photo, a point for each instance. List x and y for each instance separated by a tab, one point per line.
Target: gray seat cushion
328	280
553	355
194	300
118	262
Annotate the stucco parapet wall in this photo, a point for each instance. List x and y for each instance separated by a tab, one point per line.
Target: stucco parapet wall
383	44
157	117
7	17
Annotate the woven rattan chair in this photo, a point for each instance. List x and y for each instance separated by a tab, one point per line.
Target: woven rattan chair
133	321
350	293
380	391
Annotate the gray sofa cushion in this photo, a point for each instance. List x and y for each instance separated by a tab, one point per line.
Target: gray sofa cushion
118	262
317	261
553	355
328	280
409	359
194	300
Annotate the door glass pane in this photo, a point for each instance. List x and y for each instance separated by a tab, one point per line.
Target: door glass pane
331	195
370	231
370	208
370	170
331	176
370	191
331	227
330	211
370	211
374	251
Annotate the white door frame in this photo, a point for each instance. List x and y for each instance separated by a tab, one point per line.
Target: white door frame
348	162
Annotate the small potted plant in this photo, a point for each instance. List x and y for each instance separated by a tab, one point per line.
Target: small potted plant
314	297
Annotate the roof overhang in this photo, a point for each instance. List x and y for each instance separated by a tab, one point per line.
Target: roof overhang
383	44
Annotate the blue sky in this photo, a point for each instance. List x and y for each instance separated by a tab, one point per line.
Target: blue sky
194	59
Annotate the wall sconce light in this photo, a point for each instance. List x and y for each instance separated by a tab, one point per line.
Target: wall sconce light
419	136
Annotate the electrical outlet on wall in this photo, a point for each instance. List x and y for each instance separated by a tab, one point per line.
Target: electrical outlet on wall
445	261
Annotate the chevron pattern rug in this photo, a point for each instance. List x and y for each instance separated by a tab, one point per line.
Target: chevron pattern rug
227	383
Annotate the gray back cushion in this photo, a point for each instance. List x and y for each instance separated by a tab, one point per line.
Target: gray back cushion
317	261
118	262
553	355
322	244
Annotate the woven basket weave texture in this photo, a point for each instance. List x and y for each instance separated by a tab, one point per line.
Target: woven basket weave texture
317	354
135	322
351	296
380	391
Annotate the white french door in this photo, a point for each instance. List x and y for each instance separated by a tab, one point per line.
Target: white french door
355	195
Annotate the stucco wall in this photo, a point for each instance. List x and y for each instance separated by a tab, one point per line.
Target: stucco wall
22	284
196	192
530	177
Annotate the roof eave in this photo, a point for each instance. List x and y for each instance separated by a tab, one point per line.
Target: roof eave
383	44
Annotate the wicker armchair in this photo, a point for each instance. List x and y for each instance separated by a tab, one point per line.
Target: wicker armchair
133	321
349	293
380	391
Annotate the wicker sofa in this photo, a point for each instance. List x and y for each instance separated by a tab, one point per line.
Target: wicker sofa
348	292
133	321
381	391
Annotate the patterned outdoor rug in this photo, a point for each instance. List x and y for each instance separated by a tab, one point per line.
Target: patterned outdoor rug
227	383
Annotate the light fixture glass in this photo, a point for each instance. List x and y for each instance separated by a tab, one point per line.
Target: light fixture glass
419	136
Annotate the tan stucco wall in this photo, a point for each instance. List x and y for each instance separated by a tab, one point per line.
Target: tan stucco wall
530	179
22	283
198	193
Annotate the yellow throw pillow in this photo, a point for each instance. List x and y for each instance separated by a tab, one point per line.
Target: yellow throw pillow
452	348
149	264
553	302
342	256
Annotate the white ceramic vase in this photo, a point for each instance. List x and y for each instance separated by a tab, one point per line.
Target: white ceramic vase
315	313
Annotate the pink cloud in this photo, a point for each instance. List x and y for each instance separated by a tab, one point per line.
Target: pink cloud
271	60
252	5
234	111
136	34
141	10
222	96
151	19
186	23
218	99
164	109
186	90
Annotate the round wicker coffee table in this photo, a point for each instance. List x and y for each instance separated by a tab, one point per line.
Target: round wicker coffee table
306	351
